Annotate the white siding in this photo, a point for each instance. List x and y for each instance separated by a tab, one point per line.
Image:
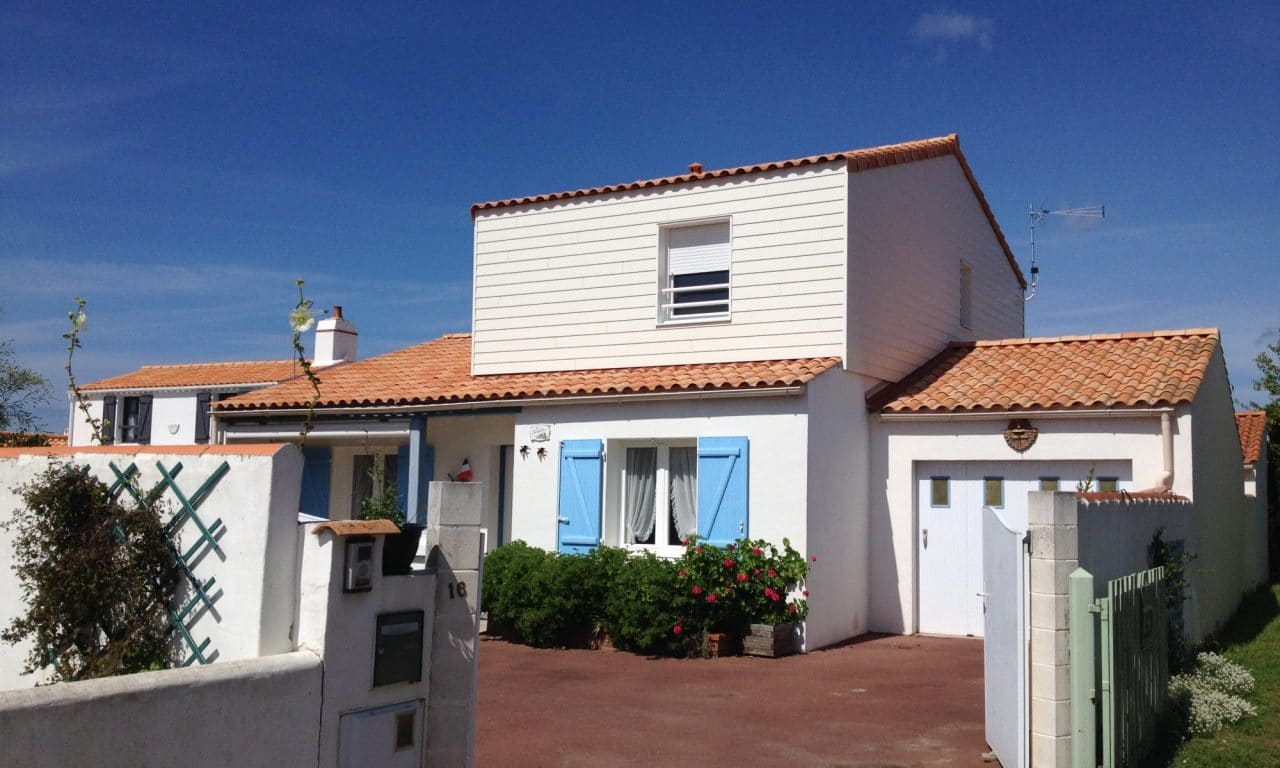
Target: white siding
911	227
573	284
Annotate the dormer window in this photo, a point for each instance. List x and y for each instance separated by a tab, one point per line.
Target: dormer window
694	274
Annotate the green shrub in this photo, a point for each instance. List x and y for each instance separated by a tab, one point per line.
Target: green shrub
642	608
98	578
507	574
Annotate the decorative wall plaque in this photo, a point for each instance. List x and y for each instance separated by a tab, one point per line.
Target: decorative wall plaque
1020	435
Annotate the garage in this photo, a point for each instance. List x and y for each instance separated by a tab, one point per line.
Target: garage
950	496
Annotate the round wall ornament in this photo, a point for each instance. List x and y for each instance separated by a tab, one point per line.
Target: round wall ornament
1020	435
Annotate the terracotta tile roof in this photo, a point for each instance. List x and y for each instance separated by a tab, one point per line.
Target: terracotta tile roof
20	439
1130	496
439	371
1253	428
1100	371
199	375
855	160
239	449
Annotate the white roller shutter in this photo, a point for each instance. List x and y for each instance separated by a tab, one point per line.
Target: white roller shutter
704	248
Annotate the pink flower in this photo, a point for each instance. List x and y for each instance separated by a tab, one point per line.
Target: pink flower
677	629
757	572
793	608
711	597
757	551
683	573
730	547
728	562
697	590
686	542
742	577
772	573
814	558
806	593
698	550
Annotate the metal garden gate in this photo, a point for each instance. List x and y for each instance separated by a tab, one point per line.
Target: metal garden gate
1124	688
1004	652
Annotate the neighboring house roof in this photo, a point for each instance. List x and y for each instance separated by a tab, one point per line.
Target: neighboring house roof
1253	428
439	371
856	160
199	375
1100	371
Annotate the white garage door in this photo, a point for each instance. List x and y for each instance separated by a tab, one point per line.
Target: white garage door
950	497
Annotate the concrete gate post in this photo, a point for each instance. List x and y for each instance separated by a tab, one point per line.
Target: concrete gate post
455	550
1052	522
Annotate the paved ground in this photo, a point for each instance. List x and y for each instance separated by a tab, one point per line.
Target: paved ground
880	701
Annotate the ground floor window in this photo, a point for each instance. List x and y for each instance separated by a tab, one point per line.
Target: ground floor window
372	474
660	494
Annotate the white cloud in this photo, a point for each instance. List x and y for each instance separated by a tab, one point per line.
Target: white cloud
942	27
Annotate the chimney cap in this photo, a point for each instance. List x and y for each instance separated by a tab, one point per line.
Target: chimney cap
695	167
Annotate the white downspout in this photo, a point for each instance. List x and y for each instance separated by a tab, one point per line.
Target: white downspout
1166	436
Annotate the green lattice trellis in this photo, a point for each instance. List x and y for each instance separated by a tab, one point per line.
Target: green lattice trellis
202	591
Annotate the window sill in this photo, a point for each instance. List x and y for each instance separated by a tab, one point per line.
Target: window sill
724	319
666	552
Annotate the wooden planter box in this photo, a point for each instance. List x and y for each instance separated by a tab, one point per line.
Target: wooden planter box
772	640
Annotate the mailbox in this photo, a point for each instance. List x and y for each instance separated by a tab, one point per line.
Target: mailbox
357	566
397	654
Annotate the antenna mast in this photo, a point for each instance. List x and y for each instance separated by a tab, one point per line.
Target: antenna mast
1036	214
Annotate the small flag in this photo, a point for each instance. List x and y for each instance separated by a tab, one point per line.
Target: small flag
464	473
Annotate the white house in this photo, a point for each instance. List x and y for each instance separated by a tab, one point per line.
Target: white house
169	404
789	349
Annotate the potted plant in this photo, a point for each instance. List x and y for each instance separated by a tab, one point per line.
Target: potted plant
397	549
774	617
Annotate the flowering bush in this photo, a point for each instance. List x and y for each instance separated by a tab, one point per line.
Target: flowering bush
749	581
1212	693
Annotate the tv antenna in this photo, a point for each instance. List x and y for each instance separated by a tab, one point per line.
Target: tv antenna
1037	214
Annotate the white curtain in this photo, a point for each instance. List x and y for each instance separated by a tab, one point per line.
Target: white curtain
684	490
642	479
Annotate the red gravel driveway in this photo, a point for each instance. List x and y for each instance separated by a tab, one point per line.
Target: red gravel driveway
878	701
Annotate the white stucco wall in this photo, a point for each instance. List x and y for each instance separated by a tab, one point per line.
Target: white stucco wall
255	713
1227	519
775	426
896	447
257	501
837	520
341	628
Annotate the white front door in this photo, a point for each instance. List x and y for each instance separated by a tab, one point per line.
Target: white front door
950	496
948	543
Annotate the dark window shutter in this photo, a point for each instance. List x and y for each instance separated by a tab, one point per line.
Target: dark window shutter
144	419
108	419
202	417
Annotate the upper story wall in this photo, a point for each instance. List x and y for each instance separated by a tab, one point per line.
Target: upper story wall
911	227
574	284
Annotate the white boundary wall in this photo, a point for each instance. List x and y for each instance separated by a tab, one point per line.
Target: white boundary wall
257	500
193	717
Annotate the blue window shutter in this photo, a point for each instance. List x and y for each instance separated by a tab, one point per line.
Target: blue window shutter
144	419
202	417
722	489
314	499
581	479
108	419
428	473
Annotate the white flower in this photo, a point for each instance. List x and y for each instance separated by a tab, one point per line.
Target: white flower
301	320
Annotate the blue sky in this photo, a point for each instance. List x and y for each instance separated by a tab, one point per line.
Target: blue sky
179	167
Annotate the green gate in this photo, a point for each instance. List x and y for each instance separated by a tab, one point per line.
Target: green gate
1119	668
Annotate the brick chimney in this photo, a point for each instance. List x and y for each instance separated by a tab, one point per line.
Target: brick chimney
335	340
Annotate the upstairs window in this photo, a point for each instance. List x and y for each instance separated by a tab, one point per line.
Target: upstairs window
695	273
966	295
129	419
